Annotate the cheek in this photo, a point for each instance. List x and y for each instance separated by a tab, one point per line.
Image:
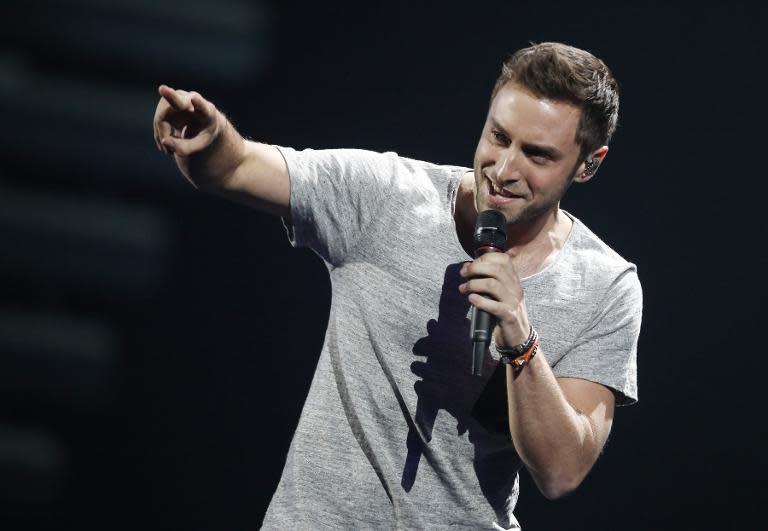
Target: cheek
543	182
483	154
537	179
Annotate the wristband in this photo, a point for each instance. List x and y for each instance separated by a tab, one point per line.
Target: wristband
520	355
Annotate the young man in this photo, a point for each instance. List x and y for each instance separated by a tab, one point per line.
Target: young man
396	432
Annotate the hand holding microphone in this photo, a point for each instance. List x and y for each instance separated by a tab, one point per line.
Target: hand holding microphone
494	290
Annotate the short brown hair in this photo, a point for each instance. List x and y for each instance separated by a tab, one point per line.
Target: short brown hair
561	72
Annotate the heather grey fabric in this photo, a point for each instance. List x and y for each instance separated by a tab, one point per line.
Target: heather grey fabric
395	432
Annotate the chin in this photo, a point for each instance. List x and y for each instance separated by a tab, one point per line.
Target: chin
513	213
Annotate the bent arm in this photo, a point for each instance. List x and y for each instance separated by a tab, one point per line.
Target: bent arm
558	425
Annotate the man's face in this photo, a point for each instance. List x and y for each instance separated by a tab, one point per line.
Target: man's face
527	154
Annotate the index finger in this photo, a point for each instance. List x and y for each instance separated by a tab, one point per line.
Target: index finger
495	265
174	98
497	258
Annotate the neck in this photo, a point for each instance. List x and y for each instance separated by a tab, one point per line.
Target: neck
534	245
534	232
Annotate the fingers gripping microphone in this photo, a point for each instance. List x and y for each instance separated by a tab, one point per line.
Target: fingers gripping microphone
490	237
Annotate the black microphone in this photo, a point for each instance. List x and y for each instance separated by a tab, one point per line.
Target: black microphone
490	237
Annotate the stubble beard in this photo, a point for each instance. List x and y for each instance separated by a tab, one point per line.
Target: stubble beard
528	213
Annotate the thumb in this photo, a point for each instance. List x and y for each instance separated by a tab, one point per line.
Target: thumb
183	147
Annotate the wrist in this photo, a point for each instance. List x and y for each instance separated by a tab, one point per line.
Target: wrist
521	354
510	334
226	153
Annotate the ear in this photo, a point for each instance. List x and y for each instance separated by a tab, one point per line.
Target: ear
586	170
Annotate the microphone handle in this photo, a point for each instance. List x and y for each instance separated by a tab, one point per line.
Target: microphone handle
481	325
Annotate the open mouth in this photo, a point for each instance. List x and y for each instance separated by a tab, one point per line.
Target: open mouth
499	192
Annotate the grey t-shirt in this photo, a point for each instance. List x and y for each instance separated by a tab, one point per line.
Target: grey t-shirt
395	432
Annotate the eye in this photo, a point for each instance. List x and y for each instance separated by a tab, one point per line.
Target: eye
499	137
538	156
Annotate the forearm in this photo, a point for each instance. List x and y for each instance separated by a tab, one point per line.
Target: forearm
259	180
242	171
557	443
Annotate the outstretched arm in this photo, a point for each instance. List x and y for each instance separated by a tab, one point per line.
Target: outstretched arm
214	157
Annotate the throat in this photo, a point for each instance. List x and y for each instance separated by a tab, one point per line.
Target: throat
541	251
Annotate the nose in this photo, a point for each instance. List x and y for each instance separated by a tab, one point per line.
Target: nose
506	168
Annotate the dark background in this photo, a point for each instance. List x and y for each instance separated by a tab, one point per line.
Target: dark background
156	344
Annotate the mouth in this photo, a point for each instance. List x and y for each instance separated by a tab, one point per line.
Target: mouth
498	194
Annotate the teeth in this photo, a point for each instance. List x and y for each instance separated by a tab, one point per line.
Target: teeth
499	190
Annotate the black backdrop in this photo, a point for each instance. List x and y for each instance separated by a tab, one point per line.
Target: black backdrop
202	326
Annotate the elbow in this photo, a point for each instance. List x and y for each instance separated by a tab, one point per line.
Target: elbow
557	487
557	491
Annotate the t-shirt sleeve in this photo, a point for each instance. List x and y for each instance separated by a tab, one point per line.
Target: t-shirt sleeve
335	194
606	350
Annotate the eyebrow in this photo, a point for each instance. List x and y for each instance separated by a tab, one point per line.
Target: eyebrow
550	151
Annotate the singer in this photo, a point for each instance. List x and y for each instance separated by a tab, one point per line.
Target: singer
398	431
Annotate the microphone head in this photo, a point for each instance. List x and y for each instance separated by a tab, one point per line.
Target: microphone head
491	230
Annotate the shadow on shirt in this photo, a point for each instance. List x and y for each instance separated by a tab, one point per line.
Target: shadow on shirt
446	383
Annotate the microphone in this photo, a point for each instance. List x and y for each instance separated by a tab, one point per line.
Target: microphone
490	237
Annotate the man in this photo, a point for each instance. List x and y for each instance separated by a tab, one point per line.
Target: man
396	432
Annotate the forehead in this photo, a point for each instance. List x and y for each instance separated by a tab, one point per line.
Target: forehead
535	120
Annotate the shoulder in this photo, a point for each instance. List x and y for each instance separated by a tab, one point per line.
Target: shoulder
437	174
367	161
605	273
588	249
432	167
590	270
338	161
